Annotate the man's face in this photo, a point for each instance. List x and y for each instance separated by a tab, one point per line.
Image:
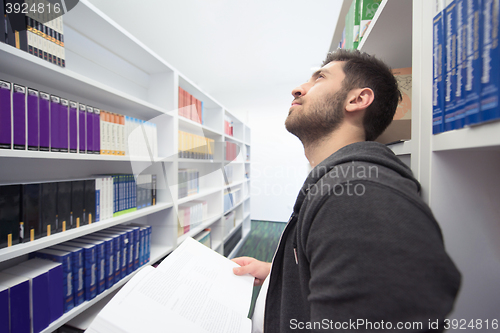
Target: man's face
318	105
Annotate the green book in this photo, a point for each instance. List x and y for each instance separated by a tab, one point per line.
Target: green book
368	8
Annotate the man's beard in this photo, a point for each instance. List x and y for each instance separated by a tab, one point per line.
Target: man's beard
320	119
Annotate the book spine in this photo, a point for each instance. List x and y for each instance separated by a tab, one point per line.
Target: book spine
490	79
90	130
5	115
73	127
19	116
474	63
32	116
451	65
55	103
64	126
461	16
97	131
82	129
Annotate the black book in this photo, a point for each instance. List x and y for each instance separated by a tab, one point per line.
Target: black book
89	201
77	203
49	209
154	186
63	206
10	215
31	211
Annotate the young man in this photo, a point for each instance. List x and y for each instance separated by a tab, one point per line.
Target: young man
361	250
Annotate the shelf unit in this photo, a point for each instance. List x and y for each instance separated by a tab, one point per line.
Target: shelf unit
458	170
110	69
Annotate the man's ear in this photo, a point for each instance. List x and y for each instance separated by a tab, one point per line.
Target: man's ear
359	99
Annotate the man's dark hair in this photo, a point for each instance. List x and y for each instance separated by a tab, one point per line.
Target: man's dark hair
365	71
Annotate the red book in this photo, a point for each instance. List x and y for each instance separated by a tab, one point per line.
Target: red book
198	109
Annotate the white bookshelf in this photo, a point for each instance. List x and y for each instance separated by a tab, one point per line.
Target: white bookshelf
458	170
110	69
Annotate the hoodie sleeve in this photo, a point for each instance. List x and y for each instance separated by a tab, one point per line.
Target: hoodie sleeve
376	257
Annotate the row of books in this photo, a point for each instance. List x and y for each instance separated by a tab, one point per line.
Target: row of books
228	126
228	223
188	182
228	174
205	237
191	215
56	279
231	151
466	63
195	146
35	210
191	107
232	196
357	21
32	26
35	120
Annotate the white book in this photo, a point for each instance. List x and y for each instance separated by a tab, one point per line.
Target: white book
192	290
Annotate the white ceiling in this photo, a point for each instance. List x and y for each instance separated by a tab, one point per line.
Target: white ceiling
243	53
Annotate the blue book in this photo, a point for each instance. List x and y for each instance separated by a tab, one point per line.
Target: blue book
56	292
122	250
100	261
117	256
135	238
109	257
4	307
491	62
39	294
78	267
129	241
19	302
64	258
460	95
90	267
474	62
450	65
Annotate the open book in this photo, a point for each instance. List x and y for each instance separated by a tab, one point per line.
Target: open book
192	290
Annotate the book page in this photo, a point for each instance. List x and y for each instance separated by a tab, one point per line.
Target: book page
192	290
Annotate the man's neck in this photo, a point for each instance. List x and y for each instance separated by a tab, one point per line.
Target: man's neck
318	151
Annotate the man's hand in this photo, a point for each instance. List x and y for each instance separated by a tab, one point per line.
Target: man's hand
256	268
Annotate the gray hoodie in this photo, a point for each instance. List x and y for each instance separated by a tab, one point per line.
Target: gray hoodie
361	251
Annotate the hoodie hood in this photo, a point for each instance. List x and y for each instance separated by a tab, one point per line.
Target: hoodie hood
366	154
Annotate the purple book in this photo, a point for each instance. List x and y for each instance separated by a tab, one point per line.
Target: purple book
5	115
32	114
44	121
55	104
19	116
73	127
97	131
63	126
82	128
90	130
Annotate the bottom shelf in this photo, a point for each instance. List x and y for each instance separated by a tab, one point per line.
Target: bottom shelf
157	252
234	252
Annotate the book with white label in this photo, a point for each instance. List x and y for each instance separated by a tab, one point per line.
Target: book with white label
192	290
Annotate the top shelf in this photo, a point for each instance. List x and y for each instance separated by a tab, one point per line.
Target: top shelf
22	64
94	24
389	35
